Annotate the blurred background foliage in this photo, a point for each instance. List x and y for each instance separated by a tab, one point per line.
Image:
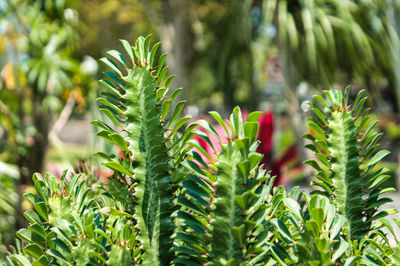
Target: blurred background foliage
270	55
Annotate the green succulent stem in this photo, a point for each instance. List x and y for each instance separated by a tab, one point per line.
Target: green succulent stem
228	214
344	148
138	103
150	155
347	178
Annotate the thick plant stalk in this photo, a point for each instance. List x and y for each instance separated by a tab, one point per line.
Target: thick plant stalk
147	144
347	173
152	152
236	198
241	193
228	215
344	142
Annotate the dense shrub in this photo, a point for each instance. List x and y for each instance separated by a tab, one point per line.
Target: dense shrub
165	205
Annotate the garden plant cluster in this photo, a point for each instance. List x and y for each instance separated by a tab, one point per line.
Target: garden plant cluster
169	202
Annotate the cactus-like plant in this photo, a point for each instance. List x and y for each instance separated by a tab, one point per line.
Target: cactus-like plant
237	191
344	143
138	104
165	205
344	140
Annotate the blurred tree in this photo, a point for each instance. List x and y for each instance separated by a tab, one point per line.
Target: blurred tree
229	26
324	43
174	22
39	47
210	43
205	38
39	74
335	42
105	22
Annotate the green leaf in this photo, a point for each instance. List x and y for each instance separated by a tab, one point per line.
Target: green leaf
30	198
107	103
128	49
117	55
41	208
40	187
162	75
238	233
317	214
116	212
251	130
343	247
254	159
283	230
178	125
38	229
378	156
209	128
111	65
165	109
101	124
169	81
21	259
161	63
360	105
175	94
379	202
237	122
111	116
369	129
346	95
359	95
32	217
42	261
337	226
111	87
294	208
379	180
253	116
160	94
118	167
322	101
28	236
55	253
190	205
192	222
153	53
102	155
120	141
384	213
177	112
320	115
220	121
34	251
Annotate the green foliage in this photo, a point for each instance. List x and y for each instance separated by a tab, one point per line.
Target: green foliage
341	215
224	208
41	72
8	201
170	202
315	235
344	141
71	224
152	152
349	34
